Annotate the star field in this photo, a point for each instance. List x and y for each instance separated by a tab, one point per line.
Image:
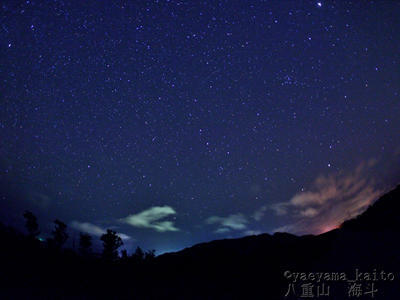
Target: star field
176	122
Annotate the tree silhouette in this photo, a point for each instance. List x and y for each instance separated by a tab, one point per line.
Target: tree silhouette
85	244
31	224
60	234
138	255
124	254
111	243
149	255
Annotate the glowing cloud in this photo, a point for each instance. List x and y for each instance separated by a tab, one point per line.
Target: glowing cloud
232	222
330	201
94	229
151	218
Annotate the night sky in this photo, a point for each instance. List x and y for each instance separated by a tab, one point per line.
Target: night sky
178	122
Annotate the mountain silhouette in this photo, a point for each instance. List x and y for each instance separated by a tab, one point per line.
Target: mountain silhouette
383	215
254	267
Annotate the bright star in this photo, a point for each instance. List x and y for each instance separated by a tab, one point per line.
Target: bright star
319	4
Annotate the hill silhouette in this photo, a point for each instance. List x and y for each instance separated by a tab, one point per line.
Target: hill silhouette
368	242
254	267
382	215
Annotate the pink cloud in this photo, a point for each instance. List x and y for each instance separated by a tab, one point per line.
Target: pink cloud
331	200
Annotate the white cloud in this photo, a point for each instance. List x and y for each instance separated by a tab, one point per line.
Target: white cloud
285	228
88	228
309	212
259	214
222	230
151	218
252	232
280	208
94	229
232	222
123	236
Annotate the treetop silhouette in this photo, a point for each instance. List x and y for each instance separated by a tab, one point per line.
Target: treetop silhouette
111	243
31	224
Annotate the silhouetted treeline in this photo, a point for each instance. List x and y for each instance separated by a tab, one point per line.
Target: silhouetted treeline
111	241
252	267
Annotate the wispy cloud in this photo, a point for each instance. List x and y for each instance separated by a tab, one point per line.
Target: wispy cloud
330	200
152	218
259	214
222	230
280	209
309	212
252	232
231	222
94	229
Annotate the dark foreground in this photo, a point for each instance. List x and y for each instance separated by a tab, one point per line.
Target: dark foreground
359	260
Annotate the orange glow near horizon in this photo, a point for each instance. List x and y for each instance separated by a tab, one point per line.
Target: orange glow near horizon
327	228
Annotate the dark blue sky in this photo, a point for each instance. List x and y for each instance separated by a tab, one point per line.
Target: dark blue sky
177	122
